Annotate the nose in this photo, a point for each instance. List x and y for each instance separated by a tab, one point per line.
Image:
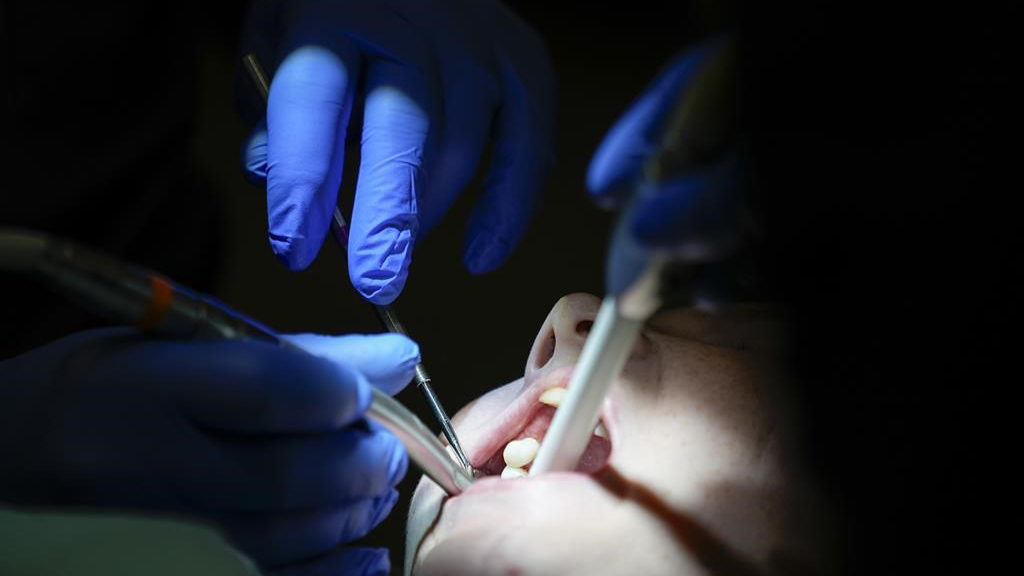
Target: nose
562	335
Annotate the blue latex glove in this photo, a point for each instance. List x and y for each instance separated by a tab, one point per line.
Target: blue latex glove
693	214
437	79
267	443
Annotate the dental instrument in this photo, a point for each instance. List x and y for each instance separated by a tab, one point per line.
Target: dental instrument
155	305
387	317
639	280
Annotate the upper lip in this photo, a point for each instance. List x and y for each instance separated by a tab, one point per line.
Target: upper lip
514	417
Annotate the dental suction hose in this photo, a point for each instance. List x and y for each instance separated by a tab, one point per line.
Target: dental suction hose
123	293
130	295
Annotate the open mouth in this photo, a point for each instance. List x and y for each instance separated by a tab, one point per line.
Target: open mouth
508	415
512	445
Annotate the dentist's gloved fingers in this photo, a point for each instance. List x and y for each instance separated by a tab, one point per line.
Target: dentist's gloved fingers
307	117
692	214
464	133
237	386
621	156
288	473
350	561
523	156
254	154
388	361
396	127
282	539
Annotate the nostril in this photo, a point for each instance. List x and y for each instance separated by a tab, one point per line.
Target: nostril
583	327
546	350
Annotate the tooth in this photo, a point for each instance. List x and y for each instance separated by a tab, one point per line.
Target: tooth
519	453
601	431
553	397
511	472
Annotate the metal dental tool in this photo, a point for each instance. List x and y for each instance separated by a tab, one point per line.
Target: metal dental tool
387	317
155	305
639	281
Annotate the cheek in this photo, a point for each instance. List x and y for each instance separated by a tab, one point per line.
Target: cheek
677	419
646	406
706	443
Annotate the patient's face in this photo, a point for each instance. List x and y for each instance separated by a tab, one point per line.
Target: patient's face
690	477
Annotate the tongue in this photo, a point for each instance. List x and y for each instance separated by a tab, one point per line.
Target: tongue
595	455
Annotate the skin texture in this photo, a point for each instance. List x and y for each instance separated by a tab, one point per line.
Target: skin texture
700	479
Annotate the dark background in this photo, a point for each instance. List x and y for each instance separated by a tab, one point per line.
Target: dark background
880	166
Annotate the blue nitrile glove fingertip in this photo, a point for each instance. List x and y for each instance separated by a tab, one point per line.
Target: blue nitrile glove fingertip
399	463
401	349
289	226
391	180
291	252
363	394
254	155
290	223
663	212
392	449
384	505
391	363
471	256
620	159
376	563
485	254
648	225
379	280
388	361
306	124
614	167
695	209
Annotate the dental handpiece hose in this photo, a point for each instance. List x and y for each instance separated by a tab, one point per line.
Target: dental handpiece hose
387	317
155	305
639	280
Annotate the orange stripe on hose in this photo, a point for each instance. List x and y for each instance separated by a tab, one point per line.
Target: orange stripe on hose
159	302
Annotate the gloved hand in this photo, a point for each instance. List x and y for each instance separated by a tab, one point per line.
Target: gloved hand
693	212
436	79
267	443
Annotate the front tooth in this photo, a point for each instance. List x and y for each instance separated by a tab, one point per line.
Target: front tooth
519	453
601	431
511	472
553	397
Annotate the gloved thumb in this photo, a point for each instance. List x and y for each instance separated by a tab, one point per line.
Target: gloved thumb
388	361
